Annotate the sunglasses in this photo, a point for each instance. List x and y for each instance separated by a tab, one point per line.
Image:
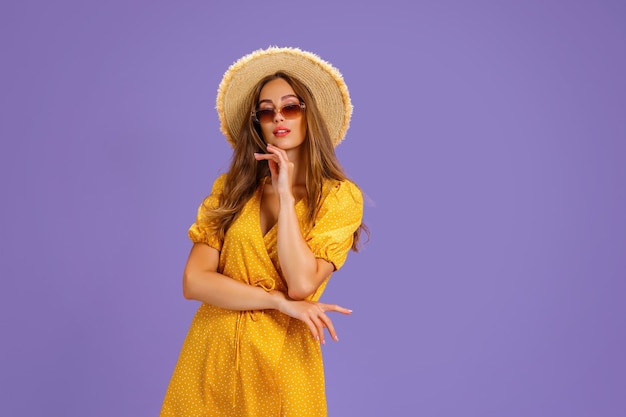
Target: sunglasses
289	111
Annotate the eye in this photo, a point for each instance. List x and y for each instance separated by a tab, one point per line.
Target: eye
265	115
291	111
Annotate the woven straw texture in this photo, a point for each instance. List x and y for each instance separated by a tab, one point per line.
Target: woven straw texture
234	101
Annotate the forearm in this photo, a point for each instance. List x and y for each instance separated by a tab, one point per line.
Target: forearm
299	265
221	291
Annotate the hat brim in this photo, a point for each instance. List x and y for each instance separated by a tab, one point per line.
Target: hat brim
234	101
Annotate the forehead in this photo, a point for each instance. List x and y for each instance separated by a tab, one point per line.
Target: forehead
276	90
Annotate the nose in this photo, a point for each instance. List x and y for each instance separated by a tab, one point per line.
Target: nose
278	116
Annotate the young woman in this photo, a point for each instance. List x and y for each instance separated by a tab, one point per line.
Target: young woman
266	240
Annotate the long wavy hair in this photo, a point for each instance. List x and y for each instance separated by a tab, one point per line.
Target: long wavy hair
246	173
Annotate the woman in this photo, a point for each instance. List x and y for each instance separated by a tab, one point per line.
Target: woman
266	240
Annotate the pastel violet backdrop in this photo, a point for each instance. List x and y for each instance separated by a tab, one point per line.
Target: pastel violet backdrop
489	136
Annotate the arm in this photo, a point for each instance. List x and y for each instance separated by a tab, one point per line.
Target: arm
202	282
303	272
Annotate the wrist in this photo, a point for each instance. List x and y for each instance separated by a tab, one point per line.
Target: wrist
278	300
286	198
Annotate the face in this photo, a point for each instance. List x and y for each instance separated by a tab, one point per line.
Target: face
286	133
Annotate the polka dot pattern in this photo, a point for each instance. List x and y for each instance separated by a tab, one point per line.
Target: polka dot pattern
259	363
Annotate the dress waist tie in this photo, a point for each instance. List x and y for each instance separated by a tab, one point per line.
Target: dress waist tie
268	284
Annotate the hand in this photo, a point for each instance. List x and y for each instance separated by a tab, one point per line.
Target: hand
313	314
281	168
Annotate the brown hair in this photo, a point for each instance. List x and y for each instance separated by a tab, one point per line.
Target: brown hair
246	173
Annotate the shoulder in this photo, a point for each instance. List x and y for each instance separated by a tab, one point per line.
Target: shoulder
342	196
211	201
218	184
345	191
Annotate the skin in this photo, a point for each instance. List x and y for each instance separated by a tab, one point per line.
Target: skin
302	271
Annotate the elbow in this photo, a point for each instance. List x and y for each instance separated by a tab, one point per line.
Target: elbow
187	286
300	293
302	289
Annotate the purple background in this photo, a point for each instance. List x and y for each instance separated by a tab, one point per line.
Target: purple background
490	137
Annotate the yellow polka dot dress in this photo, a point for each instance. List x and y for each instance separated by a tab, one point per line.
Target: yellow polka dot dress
259	363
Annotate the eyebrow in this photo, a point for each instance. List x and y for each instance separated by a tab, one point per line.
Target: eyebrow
281	99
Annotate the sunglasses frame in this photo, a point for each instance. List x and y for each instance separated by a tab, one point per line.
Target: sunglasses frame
279	110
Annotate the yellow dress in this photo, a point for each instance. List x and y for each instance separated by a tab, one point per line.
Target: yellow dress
259	363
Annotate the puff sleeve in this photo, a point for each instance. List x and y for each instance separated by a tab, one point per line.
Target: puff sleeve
339	217
199	232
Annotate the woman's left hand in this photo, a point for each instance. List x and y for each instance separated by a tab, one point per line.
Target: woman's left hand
281	168
312	313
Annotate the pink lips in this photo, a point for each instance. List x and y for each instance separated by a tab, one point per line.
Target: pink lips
281	131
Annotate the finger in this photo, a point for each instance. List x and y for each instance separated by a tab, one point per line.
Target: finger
271	160
319	324
273	167
281	154
328	323
274	149
336	308
264	156
313	329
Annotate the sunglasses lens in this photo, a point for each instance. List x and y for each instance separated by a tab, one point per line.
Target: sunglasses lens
291	111
265	116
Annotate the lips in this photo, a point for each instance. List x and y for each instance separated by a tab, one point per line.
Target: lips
281	131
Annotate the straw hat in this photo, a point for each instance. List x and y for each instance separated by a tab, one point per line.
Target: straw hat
234	101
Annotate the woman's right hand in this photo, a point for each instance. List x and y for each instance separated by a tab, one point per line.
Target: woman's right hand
312	313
